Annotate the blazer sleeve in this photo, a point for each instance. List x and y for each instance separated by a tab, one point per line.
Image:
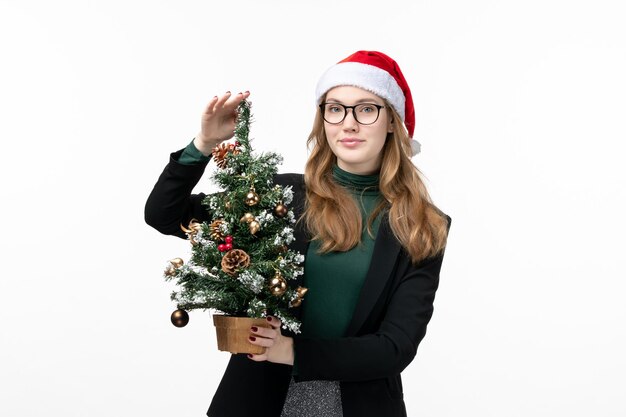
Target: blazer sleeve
171	202
381	352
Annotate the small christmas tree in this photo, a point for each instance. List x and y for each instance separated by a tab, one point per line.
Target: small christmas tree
240	262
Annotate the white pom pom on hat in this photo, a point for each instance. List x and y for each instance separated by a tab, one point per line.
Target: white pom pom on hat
377	73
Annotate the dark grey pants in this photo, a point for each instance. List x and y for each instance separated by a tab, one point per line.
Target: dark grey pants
313	399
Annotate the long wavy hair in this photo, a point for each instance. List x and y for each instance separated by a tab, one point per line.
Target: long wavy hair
420	227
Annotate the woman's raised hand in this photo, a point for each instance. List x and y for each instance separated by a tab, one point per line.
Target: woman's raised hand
218	121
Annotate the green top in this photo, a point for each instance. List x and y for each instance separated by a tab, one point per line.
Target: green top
191	156
334	279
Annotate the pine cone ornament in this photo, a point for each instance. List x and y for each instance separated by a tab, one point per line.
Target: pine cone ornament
233	260
220	153
216	230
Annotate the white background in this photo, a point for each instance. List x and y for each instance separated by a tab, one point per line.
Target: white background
520	110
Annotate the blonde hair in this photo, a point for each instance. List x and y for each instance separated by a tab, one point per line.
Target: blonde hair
419	226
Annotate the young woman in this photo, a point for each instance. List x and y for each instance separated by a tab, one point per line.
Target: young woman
373	243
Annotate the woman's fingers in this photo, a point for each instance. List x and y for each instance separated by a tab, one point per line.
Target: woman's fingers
226	101
274	322
210	107
263	336
258	358
223	99
233	100
264	332
216	104
261	341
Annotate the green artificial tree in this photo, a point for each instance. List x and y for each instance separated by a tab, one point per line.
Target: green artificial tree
240	262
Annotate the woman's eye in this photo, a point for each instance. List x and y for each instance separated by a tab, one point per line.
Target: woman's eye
367	109
333	109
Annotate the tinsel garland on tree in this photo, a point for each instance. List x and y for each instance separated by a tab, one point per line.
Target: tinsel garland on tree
240	263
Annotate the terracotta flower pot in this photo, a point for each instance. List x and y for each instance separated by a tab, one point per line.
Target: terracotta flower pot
233	333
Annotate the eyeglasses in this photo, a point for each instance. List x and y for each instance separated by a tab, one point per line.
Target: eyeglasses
365	113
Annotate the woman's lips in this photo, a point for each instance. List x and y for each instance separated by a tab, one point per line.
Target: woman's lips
350	142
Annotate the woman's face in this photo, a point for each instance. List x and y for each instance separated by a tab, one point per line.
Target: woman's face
358	147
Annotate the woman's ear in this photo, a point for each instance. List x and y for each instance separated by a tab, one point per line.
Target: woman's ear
390	127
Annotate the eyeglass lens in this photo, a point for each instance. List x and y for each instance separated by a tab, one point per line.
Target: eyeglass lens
365	113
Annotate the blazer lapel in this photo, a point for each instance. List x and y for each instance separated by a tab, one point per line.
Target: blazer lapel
302	237
386	250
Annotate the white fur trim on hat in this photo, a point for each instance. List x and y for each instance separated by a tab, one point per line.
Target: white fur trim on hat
367	77
416	147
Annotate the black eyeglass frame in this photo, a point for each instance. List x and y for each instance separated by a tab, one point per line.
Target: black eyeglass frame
345	112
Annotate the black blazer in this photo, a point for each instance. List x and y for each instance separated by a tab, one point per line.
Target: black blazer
390	319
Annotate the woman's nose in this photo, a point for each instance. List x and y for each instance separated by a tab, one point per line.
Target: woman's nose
350	122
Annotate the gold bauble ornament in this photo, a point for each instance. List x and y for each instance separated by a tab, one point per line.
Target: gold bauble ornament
295	302
300	291
247	218
179	318
254	227
173	265
252	198
177	262
216	230
278	285
280	210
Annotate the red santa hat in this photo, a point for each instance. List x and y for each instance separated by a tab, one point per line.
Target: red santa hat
378	73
